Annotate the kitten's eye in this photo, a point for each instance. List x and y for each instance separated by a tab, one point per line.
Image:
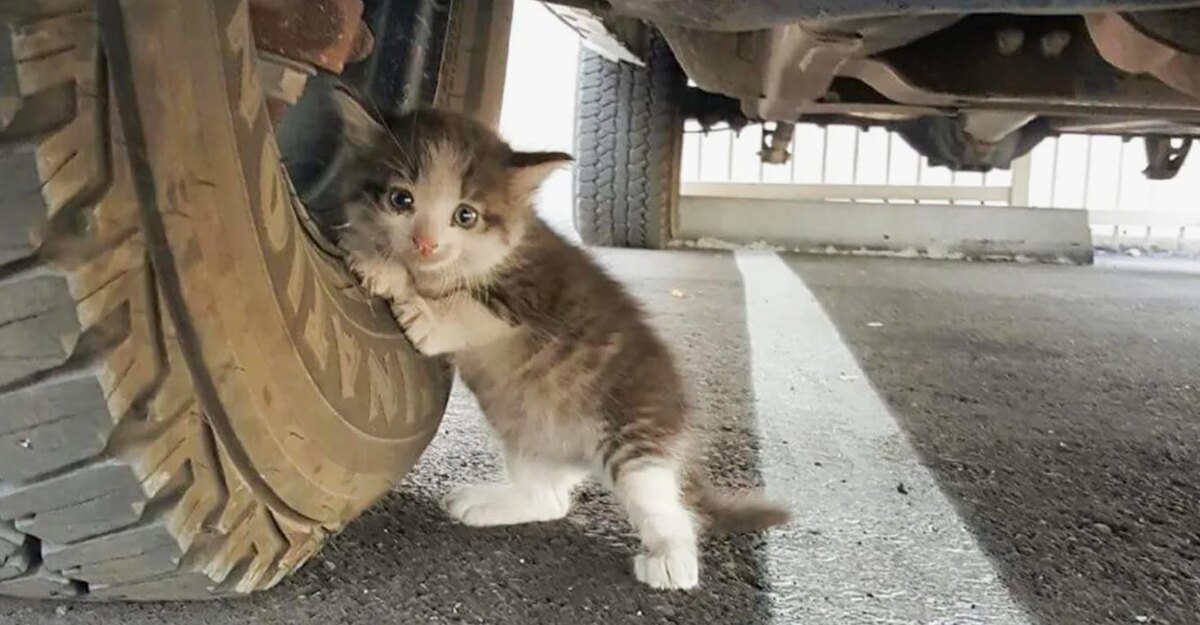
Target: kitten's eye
465	216
399	200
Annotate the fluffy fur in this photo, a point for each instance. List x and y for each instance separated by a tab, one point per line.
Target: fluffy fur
569	374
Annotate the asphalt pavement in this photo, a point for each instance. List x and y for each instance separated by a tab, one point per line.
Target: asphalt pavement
961	443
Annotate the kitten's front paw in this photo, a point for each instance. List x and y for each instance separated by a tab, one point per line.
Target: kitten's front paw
480	505
379	277
419	325
484	505
674	568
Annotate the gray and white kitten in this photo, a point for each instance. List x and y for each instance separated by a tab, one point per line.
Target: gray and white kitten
571	378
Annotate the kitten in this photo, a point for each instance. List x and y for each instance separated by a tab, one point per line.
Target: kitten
571	378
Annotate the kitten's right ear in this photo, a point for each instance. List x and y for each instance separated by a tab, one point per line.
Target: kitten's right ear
528	170
359	128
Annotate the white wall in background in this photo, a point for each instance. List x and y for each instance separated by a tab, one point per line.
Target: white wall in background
539	99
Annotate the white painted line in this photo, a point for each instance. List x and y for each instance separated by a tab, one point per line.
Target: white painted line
858	551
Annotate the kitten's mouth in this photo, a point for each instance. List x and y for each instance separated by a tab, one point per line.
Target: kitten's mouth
431	263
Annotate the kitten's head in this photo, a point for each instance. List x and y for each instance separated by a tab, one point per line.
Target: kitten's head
437	191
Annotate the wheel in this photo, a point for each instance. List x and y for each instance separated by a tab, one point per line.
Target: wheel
192	395
628	140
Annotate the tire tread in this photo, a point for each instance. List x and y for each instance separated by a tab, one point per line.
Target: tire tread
627	140
112	484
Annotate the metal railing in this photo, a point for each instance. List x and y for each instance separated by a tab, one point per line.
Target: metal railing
847	164
837	163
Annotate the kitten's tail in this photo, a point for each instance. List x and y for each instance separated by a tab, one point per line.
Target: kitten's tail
736	512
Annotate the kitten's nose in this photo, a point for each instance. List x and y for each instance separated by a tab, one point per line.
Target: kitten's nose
425	245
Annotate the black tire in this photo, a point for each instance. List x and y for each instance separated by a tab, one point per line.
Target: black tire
192	396
628	140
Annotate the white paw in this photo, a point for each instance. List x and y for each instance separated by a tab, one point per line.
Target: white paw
484	505
379	277
676	568
419	325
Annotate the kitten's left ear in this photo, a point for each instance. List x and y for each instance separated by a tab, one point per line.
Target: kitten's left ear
528	170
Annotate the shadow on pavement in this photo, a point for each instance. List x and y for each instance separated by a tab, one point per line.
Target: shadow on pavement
1059	407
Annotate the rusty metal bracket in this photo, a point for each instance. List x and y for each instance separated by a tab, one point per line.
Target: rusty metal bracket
775	143
322	33
1127	48
596	35
1164	158
800	68
295	38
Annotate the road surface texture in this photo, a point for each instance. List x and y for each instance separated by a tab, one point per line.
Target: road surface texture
962	444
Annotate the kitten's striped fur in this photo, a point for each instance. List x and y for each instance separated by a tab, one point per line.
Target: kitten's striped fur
571	377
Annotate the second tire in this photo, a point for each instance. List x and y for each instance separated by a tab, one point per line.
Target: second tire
628	141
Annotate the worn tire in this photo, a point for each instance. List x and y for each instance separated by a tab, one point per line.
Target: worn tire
628	139
192	396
